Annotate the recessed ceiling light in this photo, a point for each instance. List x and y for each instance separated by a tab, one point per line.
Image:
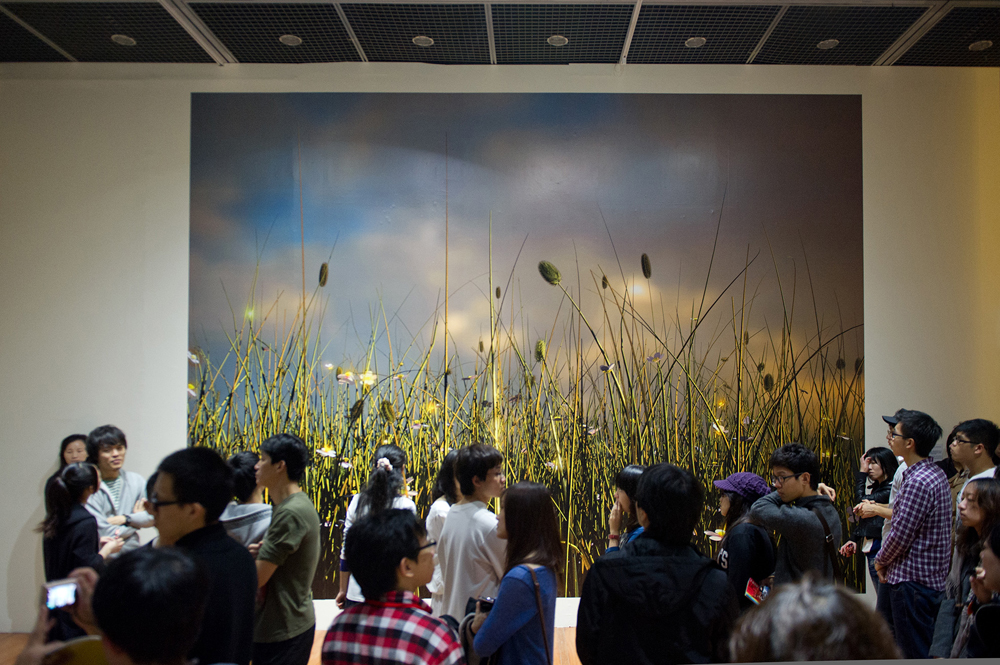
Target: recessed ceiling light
557	40
421	40
290	40
827	44
124	40
695	42
981	45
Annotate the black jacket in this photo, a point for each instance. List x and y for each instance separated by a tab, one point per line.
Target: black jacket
870	527
654	603
746	552
227	630
75	545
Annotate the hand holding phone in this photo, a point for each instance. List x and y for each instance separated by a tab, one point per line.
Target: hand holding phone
485	603
60	593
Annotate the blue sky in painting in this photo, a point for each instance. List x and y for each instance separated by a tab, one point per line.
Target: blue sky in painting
564	174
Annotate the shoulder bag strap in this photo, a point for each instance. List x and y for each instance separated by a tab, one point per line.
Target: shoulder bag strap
830	550
541	614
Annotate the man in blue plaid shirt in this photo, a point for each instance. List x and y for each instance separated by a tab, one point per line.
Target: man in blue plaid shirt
915	556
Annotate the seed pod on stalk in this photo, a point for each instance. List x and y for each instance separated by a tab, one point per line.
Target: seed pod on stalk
324	272
540	350
647	269
549	273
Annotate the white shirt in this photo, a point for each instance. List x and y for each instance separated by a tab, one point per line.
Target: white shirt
435	522
472	557
401	502
897	482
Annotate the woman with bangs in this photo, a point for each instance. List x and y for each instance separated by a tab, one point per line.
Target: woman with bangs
979	513
521	623
878	465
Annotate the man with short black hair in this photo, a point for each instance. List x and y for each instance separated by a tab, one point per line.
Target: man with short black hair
801	513
390	557
915	556
119	502
286	560
192	488
657	600
974	447
471	556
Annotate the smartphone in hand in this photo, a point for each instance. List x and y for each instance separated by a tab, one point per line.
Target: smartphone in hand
60	593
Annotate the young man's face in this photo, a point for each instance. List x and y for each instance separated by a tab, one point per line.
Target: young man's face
425	562
494	483
173	520
267	472
897	442
963	451
110	459
790	485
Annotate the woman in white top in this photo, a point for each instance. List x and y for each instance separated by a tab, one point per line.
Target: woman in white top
386	482
444	494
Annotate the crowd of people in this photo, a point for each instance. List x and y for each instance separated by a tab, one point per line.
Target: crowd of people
228	578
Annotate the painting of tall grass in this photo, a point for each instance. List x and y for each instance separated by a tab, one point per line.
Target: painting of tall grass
630	340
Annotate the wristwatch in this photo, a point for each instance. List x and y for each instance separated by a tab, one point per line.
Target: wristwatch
128	521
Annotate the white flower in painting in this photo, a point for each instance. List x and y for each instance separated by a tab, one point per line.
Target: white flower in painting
367	379
345	464
326	452
193	359
328	366
719	431
346	377
191	391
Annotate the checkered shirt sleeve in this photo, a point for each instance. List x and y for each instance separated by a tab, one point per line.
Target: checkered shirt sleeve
408	635
918	546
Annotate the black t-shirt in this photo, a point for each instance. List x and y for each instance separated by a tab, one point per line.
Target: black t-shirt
746	552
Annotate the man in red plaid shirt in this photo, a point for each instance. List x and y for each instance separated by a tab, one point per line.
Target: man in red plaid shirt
916	554
388	554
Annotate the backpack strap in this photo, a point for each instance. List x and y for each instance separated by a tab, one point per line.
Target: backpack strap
831	549
541	614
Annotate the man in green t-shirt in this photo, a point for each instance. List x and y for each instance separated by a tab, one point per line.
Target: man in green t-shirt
286	561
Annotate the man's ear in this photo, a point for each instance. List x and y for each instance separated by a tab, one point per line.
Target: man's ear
197	510
806	478
477	481
407	568
642	517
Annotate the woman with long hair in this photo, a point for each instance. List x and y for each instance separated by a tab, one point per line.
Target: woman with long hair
878	465
69	534
386	484
746	550
979	513
521	623
623	514
444	494
72	449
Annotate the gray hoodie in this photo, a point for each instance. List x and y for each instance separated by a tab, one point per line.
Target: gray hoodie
247	523
802	545
102	506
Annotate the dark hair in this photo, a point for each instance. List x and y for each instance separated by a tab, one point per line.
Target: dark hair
150	602
151	483
920	427
475	461
444	484
200	475
798	459
385	480
993	540
811	620
969	541
532	527
289	449
104	436
886	459
63	491
627	481
947	464
65	444
244	465
376	544
980	430
672	499
739	510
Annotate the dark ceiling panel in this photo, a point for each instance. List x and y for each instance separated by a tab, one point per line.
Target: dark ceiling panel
596	33
386	32
19	45
731	33
84	30
251	31
947	43
864	34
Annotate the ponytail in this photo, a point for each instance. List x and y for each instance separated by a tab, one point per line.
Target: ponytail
384	482
63	491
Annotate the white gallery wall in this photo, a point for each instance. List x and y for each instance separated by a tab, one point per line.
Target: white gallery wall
94	243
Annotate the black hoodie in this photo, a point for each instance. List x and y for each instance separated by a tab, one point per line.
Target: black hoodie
655	603
75	545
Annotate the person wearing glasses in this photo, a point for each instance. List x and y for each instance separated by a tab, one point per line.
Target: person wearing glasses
913	562
191	490
801	512
390	558
974	446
